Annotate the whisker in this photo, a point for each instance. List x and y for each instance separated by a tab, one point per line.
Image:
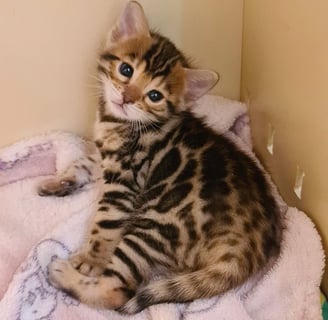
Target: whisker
94	86
95	77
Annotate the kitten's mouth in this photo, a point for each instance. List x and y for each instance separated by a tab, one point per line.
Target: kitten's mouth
119	107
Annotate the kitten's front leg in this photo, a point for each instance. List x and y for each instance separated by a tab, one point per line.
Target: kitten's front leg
78	174
114	209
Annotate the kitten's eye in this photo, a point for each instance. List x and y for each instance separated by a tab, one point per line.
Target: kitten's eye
126	70
155	95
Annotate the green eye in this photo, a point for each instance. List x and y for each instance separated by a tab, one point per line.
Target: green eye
155	95
126	70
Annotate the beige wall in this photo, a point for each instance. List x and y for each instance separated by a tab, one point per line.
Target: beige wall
47	58
285	77
48	54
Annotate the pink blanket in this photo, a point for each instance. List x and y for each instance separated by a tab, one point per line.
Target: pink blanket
34	229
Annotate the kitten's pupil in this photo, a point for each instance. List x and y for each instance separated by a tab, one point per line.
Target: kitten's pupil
155	95
126	70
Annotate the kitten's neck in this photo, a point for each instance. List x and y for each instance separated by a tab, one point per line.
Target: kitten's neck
157	131
122	134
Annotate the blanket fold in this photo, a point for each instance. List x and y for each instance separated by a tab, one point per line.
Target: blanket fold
36	229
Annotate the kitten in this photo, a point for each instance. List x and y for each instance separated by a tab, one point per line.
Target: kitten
179	199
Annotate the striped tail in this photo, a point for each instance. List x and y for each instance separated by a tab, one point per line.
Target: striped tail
204	283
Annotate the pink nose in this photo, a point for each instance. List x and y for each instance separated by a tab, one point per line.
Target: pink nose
131	94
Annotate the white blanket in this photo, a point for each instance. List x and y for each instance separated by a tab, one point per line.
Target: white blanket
33	230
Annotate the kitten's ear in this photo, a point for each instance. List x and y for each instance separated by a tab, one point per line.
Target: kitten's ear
132	23
199	82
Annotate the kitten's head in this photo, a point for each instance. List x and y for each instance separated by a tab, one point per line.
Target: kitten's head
144	77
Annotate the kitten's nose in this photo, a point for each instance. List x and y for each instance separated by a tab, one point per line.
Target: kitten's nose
131	94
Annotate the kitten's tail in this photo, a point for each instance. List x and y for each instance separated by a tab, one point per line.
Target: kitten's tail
204	283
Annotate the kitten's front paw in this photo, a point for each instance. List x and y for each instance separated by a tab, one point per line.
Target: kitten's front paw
59	187
86	266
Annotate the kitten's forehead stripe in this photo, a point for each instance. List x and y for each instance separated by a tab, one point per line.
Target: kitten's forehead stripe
162	56
108	56
153	52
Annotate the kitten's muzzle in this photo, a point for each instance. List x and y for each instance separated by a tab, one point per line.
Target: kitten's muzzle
131	94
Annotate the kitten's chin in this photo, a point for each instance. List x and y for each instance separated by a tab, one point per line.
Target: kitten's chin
125	112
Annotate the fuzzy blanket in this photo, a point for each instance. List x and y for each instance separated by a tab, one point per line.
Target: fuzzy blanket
33	230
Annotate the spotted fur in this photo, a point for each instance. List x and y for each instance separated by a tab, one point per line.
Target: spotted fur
179	200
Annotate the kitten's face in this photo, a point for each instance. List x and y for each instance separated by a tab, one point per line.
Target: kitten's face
144	77
138	87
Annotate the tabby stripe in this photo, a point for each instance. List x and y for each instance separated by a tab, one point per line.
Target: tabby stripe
129	293
110	224
188	171
122	207
173	198
161	144
166	167
109	56
117	204
99	143
185	211
159	60
150	241
156	57
129	263
151	51
107	153
103	208
128	184
154	193
138	166
171	107
171	62
117	195
139	250
168	231
166	69
110	273
110	176
101	69
91	159
85	168
192	234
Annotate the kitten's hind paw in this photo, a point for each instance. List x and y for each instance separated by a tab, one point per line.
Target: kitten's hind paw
61	273
86	266
58	187
97	292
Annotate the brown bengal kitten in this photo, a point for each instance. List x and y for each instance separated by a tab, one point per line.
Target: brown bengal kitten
179	200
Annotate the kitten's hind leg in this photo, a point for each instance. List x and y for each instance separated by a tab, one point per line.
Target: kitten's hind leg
129	267
79	173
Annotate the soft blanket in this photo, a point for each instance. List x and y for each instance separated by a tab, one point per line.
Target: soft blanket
33	230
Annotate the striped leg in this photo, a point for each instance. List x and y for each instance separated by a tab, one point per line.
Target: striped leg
115	208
